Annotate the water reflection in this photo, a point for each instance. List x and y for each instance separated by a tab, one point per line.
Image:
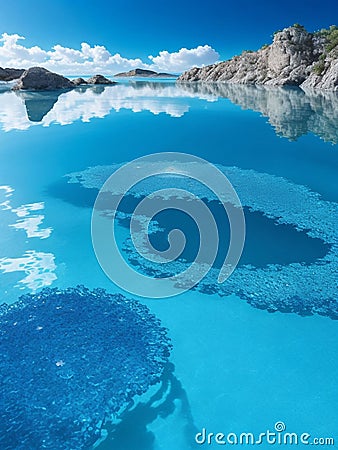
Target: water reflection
38	266
21	110
38	104
292	112
30	222
29	217
38	269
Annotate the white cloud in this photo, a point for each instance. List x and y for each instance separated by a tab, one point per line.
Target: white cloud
185	58
97	59
12	52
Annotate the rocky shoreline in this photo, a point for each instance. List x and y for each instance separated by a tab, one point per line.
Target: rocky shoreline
40	79
295	58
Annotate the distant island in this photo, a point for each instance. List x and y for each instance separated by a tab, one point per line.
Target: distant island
295	58
145	74
41	79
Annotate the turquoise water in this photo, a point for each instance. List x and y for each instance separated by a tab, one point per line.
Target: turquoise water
237	368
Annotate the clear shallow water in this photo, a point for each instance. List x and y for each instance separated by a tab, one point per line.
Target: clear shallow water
238	368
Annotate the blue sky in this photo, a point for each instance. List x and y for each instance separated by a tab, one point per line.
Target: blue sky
138	29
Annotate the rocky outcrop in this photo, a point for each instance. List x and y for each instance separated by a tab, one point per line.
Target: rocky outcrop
100	79
40	79
145	74
96	79
325	73
291	60
79	81
10	74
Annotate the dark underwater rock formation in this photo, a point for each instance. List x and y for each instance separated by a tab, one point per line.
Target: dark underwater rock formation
295	58
71	359
303	287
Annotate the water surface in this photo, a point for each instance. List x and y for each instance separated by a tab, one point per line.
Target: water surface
235	367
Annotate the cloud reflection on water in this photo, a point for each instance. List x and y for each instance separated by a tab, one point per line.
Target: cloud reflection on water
290	111
38	266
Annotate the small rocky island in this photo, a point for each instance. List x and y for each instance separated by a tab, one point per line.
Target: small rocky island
295	58
145	74
40	79
96	79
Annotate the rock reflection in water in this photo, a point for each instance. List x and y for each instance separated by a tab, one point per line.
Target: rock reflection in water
292	112
38	104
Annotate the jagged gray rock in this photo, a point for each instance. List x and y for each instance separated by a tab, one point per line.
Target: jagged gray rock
79	81
290	60
328	78
40	79
8	74
100	79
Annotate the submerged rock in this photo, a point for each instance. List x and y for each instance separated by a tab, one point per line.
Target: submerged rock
69	360
38	79
303	287
291	60
8	74
100	79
